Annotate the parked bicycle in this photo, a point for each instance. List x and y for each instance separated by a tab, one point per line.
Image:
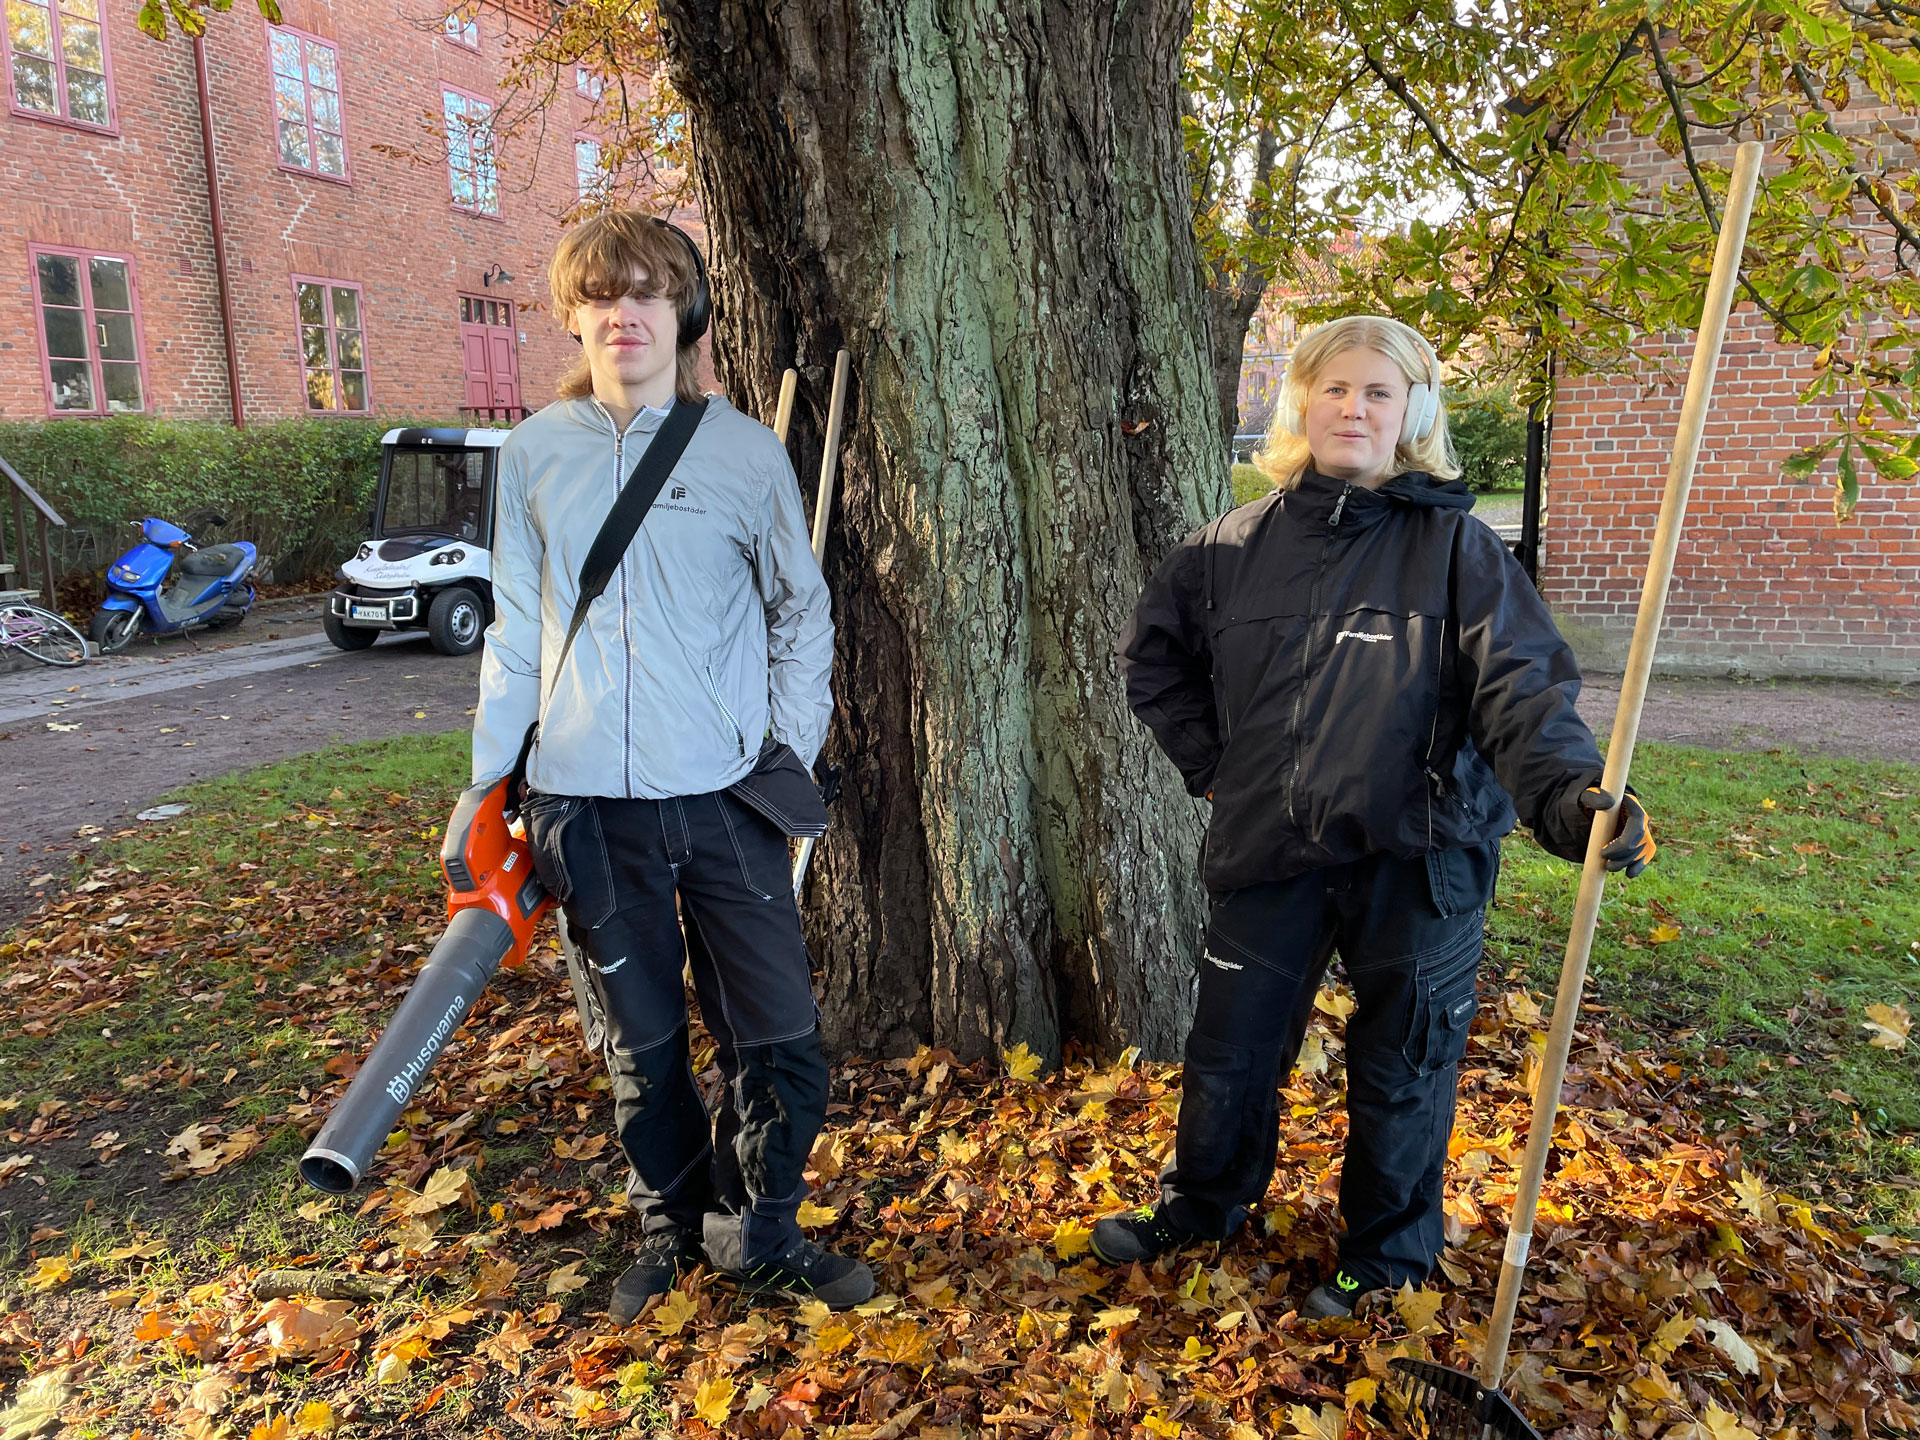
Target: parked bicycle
41	634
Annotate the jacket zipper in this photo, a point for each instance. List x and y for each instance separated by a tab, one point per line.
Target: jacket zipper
1433	735
1306	649
626	650
739	735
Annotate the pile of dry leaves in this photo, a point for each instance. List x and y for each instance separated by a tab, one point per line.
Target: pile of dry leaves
1675	1292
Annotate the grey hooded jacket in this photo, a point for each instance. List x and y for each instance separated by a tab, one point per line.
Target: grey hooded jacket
714	631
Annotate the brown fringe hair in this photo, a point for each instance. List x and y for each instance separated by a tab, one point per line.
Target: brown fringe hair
617	253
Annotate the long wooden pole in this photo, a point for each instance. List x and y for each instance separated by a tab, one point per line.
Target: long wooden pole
1626	729
822	507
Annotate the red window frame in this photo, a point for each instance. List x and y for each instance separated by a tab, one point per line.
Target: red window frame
92	328
461	22
307	41
58	59
468	98
332	327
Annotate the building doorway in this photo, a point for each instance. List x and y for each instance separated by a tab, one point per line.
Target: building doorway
490	358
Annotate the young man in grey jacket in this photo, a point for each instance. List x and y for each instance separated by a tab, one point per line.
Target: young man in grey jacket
713	635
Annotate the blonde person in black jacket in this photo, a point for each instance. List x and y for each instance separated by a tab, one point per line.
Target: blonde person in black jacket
1362	680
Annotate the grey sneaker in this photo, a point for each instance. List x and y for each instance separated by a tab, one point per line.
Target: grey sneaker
656	1265
807	1272
1335	1300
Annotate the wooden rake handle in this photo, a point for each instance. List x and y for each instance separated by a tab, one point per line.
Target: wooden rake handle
1626	727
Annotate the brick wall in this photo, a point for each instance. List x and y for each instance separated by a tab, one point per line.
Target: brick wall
1766	582
391	229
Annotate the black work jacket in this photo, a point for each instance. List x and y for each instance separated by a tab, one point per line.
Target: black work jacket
1347	671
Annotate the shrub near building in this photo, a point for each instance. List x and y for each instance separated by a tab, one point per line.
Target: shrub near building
300	490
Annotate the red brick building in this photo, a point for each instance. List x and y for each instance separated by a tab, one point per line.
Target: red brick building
1767	581
372	268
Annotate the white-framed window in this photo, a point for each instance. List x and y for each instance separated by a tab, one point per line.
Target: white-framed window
586	168
588	84
463	26
470	167
333	344
308	129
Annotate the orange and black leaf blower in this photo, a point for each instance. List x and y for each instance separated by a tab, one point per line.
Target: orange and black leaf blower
494	901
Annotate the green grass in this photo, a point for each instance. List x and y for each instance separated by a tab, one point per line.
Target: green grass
1249	484
1785	900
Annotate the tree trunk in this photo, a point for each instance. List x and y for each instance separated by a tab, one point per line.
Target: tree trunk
984	203
1234	295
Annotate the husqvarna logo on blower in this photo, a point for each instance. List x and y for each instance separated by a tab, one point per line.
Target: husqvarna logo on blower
400	1087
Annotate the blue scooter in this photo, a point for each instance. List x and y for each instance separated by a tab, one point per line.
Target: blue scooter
210	586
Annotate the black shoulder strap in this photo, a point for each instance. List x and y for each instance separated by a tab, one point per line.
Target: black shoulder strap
616	533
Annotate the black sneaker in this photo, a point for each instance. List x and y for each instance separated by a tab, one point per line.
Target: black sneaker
656	1265
1335	1300
807	1272
1139	1235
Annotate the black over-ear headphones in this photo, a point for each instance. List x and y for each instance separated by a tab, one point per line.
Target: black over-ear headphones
699	312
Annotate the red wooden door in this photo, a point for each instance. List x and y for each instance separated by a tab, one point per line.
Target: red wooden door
490	358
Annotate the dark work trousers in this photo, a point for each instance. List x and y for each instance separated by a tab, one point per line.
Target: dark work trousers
1409	936
734	1180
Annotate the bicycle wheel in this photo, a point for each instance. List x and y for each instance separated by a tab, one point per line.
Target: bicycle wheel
42	634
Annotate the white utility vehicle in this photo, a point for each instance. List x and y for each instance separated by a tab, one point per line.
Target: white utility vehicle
427	564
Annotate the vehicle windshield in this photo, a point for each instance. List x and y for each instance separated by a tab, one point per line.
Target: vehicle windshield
436	492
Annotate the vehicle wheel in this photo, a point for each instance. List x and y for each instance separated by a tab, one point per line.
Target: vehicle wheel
114	630
457	622
42	634
347	637
227	617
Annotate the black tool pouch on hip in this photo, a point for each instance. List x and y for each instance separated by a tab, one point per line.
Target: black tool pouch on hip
780	788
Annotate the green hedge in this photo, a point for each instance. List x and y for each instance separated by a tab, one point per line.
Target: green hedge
300	490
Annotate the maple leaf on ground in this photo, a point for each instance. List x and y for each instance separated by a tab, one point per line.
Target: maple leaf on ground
1022	1063
1729	1343
673	1312
514	1340
1157	1422
566	1279
210	1392
446	1186
713	1401
1887	1026
811	1216
1721	1424
52	1271
1071	1238
1333	1003
1417	1308
316	1417
320	1331
1329	1424
1671	1335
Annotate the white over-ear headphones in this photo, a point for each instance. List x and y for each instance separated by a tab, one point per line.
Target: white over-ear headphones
1423	400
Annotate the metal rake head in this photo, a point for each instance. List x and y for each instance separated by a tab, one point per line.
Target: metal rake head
1444	1404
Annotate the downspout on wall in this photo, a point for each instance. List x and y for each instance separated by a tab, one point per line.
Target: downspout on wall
219	231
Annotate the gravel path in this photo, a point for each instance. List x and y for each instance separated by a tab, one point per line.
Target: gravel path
84	750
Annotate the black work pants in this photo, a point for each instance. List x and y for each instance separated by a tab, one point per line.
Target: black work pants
1409	935
733	1180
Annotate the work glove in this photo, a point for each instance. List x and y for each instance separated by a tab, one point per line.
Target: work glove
1631	849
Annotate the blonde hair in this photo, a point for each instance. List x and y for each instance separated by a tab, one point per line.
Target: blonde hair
615	253
1284	457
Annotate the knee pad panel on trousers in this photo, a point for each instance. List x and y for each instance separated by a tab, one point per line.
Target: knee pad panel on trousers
780	1095
1216	1094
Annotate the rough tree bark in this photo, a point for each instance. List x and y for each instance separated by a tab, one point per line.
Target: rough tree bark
986	203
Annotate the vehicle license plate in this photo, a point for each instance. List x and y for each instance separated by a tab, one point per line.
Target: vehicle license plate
368	612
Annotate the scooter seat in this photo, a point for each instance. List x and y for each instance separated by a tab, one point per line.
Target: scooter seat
212	560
